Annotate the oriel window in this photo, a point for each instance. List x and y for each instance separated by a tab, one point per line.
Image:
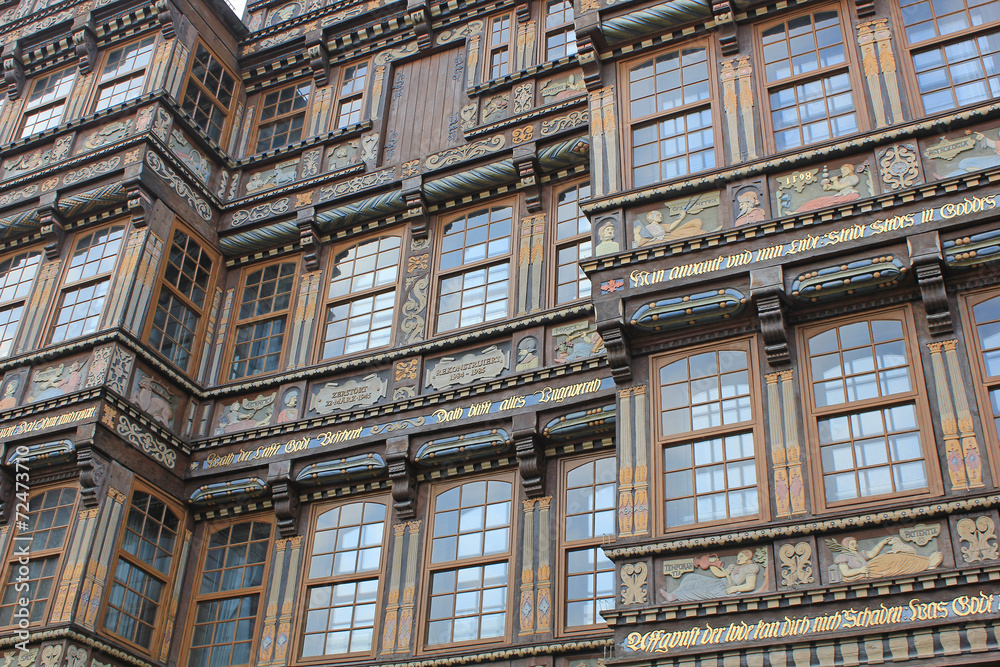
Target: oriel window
17	275
498	51
262	319
210	92
86	283
352	94
283	116
573	243
560	35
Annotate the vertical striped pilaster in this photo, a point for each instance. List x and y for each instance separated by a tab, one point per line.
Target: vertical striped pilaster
730	107
320	118
887	62
159	69
175	597
966	431
288	603
640	504
526	608
305	313
175	77
142	251
392	610
525	45
626	445
544	605
948	420
97	570
779	460
746	104
213	320
38	306
266	653
220	338
473	67
793	450
62	609
409	587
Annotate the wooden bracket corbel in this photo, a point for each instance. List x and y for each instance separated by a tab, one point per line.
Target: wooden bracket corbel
526	163
85	43
725	20
589	43
767	290
308	237
319	60
416	207
401	477
167	18
13	73
92	472
419	15
52	227
285	497
927	260
140	205
530	454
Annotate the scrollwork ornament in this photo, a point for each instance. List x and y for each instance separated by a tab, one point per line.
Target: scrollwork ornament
633	577
898	166
146	442
179	186
980	536
796	564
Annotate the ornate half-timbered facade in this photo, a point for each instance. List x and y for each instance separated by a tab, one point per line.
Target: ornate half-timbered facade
528	334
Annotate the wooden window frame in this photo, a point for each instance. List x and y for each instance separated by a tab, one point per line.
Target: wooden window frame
754	426
306	582
931	44
501	47
16	301
508	258
681	111
431	567
167	580
353	296
576	240
55	101
916	397
162	285
197	597
83	282
566	545
287	314
11	557
290	115
565	27
850	65
358	92
190	79
123	76
981	378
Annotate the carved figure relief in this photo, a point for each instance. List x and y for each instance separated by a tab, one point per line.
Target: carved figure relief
151	396
681	218
962	153
246	413
749	206
634	577
607	238
527	354
9	393
577	340
709	576
980	539
823	187
110	133
37	159
279	174
495	109
891	556
284	13
58	380
289	406
189	155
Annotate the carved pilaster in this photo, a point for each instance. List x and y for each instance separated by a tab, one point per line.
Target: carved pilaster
928	264
525	160
92	469
767	292
319	61
85	43
285	497
530	455
402	478
13	74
